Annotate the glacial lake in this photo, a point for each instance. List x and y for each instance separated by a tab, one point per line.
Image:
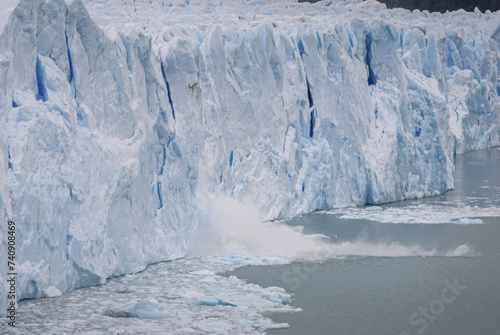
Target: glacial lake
403	295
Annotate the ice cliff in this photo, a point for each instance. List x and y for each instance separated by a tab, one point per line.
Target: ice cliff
120	118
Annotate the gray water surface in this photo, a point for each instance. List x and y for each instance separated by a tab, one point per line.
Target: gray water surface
403	295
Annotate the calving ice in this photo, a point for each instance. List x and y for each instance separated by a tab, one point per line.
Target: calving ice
120	120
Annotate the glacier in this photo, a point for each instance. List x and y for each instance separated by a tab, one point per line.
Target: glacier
121	119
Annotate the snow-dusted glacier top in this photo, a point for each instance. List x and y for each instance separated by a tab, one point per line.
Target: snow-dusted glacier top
120	118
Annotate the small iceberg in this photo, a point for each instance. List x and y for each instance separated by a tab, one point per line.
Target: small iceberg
144	309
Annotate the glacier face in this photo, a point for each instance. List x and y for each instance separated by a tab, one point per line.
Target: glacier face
121	118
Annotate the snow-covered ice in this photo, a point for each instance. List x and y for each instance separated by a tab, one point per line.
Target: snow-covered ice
122	119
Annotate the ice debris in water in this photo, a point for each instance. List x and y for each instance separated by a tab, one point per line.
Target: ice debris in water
177	297
144	309
422	213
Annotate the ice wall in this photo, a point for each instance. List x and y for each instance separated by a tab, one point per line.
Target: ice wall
119	119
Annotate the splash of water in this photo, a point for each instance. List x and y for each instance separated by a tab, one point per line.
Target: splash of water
227	226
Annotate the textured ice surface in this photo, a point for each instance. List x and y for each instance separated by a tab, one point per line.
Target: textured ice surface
241	258
144	309
121	118
178	297
5	11
459	214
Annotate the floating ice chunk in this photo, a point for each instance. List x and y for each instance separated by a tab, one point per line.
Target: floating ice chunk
241	258
212	326
203	273
468	221
51	292
264	324
284	299
258	299
145	309
214	301
373	208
